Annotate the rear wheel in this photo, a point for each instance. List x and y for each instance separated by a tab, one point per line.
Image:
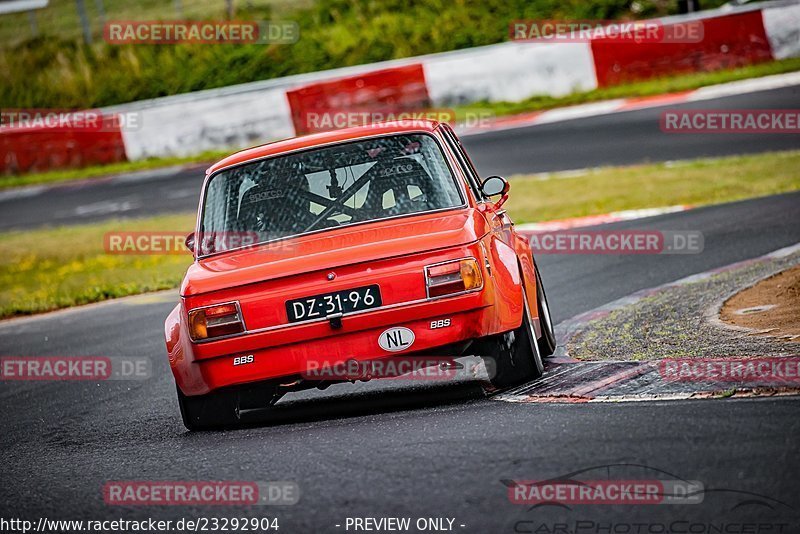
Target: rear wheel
251	403
516	358
547	343
212	410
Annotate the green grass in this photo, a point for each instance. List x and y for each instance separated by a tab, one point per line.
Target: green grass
658	86
696	182
57	70
52	268
99	171
47	269
60	17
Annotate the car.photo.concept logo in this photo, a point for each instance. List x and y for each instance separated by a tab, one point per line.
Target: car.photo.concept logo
631	498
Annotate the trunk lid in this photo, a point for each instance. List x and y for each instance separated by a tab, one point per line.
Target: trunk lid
334	249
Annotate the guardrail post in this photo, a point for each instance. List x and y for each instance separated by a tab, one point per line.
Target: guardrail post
87	30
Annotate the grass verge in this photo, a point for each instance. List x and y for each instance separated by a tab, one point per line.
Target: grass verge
47	269
695	182
99	171
658	86
42	270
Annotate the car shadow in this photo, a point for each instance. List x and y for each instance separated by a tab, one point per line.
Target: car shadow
362	403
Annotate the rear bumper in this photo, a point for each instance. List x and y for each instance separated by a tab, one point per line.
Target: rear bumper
200	368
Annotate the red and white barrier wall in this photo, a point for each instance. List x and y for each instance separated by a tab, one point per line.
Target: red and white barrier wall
386	90
41	148
248	114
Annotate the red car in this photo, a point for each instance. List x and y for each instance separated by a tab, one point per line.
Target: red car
349	246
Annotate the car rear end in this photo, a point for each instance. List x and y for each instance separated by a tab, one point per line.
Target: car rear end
261	342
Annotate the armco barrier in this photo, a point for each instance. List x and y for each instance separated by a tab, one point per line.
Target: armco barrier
728	41
782	24
389	90
509	71
187	124
246	114
39	149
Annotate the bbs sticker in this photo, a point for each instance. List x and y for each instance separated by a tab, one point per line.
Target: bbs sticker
241	360
441	323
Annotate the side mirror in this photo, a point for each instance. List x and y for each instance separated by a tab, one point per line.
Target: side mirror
496	185
190	242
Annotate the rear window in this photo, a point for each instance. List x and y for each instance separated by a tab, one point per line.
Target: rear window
326	188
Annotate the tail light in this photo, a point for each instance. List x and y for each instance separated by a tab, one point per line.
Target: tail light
453	277
215	321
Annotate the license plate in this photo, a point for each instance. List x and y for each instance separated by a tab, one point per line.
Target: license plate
320	306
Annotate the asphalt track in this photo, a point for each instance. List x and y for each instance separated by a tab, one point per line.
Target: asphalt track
615	139
421	450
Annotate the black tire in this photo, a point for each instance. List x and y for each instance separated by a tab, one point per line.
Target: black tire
547	343
213	410
516	358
